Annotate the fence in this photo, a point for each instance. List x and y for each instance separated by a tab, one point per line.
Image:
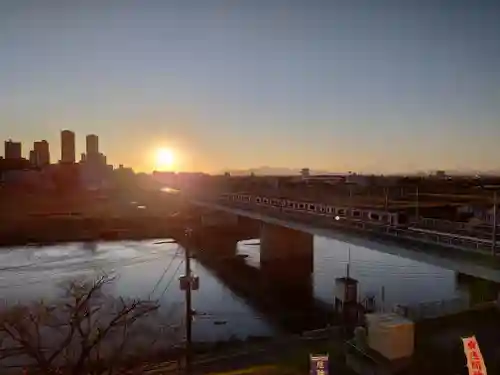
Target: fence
434	309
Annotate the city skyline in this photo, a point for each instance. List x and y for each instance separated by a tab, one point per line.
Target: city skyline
370	88
40	152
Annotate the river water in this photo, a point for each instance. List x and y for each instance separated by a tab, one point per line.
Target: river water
29	273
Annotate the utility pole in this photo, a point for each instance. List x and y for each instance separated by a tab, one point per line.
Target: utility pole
417	208
386	193
350	214
189	312
494	231
348	268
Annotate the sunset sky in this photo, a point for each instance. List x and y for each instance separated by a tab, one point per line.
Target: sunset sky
363	85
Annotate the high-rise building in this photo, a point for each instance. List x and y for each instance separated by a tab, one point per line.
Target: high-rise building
68	155
41	149
34	158
92	145
12	150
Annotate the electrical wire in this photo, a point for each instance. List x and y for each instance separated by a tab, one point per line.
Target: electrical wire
172	278
164	272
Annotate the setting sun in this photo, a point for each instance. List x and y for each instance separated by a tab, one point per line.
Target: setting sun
165	158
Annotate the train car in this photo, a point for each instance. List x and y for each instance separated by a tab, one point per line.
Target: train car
320	209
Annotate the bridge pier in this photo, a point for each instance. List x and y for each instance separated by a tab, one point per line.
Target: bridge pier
280	243
218	219
219	232
286	260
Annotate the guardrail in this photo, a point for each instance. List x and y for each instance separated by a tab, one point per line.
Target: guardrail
441	308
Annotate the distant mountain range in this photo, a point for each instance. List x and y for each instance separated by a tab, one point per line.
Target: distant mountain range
278	171
272	171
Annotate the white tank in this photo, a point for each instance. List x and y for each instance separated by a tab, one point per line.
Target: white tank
391	335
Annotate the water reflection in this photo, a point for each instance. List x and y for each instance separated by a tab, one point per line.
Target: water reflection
152	268
405	281
31	273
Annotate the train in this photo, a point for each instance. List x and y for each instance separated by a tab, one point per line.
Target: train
373	216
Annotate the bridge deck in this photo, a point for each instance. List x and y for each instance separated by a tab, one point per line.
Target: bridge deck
451	258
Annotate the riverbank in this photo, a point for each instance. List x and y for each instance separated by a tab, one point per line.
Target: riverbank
51	230
283	356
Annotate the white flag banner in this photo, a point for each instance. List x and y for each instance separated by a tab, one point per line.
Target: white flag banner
475	361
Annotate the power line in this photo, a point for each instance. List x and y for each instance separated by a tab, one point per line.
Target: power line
171	278
164	272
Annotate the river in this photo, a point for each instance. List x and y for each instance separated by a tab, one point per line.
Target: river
29	273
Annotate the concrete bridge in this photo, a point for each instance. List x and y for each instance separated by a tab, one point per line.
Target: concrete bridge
287	238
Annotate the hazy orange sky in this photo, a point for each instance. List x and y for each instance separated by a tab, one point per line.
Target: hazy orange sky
362	86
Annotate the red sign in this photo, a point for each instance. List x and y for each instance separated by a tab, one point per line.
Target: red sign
475	361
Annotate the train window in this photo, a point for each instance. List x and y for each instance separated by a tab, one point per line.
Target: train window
301	206
375	216
312	207
341	211
258	199
321	209
291	204
357	213
266	200
330	210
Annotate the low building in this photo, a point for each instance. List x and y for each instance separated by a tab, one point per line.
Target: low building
305	173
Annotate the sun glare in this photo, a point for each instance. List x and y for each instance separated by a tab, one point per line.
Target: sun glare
165	158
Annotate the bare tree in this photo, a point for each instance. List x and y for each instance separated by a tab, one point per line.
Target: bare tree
86	332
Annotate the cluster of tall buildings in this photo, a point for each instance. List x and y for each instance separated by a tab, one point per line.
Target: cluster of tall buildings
39	156
91	171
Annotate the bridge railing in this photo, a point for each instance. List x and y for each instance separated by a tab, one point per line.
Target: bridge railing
460	228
